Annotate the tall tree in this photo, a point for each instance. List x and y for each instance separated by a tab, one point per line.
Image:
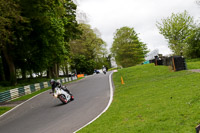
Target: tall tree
34	35
176	29
86	49
193	42
54	24
127	49
46	35
11	22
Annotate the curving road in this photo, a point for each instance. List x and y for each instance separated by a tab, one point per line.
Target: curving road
46	114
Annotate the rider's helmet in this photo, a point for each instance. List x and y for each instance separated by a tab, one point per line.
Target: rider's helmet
52	81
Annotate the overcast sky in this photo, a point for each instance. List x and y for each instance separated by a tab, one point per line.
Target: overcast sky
142	15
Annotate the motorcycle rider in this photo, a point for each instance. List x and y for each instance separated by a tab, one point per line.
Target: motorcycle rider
96	71
55	84
104	69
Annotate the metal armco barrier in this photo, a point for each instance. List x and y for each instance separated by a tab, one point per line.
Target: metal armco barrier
28	89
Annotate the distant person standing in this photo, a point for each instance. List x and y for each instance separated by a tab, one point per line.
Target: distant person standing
96	71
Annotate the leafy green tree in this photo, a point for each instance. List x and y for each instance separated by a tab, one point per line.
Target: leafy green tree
69	18
193	42
54	24
11	23
176	29
103	59
47	36
34	35
127	48
83	65
88	44
88	47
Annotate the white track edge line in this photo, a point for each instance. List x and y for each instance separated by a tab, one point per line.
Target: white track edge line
109	103
25	102
21	104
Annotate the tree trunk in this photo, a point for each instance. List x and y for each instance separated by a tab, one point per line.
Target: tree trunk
5	67
50	73
23	73
41	74
67	71
31	74
58	67
55	70
2	75
63	70
11	66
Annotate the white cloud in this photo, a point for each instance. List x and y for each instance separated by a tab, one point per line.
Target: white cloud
142	15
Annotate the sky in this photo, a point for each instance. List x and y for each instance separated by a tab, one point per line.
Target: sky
109	15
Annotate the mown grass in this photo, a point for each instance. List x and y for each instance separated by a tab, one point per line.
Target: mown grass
193	63
154	100
4	109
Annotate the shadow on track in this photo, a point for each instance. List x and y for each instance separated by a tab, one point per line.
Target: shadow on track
61	104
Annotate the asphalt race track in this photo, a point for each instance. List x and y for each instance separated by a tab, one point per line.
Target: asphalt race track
46	114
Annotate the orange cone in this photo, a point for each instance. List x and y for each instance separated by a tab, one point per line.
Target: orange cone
122	81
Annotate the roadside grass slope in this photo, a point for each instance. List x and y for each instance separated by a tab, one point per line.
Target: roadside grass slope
4	109
154	100
193	63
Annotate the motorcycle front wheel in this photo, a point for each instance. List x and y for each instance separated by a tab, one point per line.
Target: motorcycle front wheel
63	99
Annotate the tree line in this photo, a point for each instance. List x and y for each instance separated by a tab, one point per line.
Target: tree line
43	35
180	30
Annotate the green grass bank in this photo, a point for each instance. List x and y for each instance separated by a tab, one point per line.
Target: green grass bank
4	109
154	100
193	63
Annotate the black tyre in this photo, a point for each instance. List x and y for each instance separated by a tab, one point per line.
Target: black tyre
63	99
72	98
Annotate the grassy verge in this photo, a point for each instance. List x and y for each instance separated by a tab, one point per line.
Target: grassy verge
154	100
193	63
4	109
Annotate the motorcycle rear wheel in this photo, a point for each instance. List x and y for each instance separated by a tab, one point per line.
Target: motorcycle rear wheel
72	98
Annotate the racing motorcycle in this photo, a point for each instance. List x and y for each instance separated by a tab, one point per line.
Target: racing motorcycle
62	95
104	71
